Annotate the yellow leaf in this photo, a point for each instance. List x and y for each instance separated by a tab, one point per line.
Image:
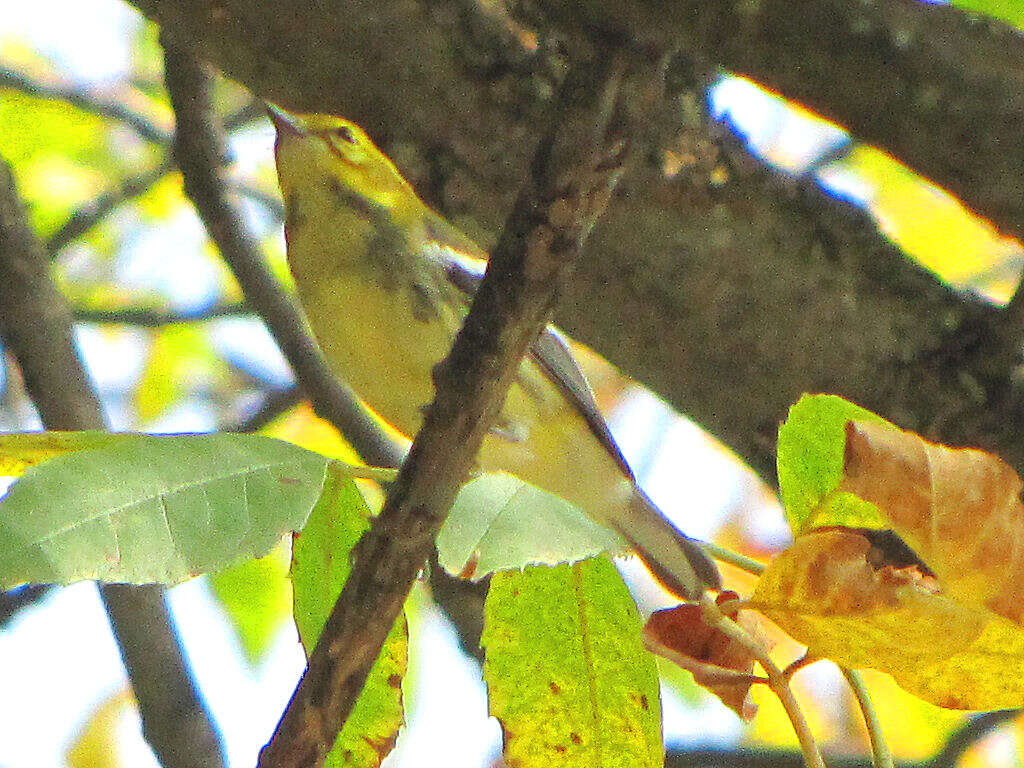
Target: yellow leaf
19	451
958	509
96	745
825	592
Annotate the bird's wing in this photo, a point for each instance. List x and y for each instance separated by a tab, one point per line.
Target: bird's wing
551	351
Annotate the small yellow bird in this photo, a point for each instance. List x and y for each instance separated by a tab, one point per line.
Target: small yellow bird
385	282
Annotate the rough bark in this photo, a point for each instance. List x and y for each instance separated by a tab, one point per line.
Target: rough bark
728	299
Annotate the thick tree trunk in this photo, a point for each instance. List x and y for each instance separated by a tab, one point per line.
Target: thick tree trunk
728	299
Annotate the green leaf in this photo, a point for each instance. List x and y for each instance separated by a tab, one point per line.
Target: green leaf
566	670
21	450
320	567
181	359
500	523
257	599
155	508
1011	11
812	441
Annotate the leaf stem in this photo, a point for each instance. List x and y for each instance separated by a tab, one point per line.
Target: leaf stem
733	558
777	679
362	472
881	757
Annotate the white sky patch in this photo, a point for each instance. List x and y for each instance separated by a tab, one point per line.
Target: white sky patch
691	481
45	704
847	184
246	343
449	726
91	40
114	358
171	259
786	138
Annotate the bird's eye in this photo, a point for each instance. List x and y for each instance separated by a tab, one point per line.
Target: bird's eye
345	134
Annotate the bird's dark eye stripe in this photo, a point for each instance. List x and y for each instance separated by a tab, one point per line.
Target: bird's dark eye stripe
345	134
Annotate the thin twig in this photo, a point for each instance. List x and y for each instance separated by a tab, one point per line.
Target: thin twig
382	475
777	680
155	318
794	666
199	148
881	756
86	101
94	211
97	209
733	558
574	170
36	325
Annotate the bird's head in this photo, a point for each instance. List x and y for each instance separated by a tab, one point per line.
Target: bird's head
315	148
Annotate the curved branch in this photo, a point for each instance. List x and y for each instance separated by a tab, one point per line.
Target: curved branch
35	323
199	148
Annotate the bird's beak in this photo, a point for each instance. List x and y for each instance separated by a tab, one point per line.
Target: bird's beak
285	124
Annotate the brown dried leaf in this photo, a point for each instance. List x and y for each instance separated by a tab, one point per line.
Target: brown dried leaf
958	509
717	662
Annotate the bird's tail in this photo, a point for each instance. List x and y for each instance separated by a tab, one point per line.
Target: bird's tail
678	562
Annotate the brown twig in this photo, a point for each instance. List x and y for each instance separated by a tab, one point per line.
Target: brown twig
156	318
199	148
86	101
36	325
575	167
97	209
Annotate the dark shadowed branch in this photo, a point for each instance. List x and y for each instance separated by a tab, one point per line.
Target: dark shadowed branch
36	325
743	288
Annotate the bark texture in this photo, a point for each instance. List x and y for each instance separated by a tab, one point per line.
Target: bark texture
729	298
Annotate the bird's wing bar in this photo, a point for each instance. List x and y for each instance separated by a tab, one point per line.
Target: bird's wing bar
550	351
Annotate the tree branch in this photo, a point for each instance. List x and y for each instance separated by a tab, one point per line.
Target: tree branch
86	101
101	206
741	294
35	323
920	80
575	168
199	149
155	318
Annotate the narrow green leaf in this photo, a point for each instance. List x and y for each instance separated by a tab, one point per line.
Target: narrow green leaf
320	567
155	508
256	596
499	523
812	441
566	670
